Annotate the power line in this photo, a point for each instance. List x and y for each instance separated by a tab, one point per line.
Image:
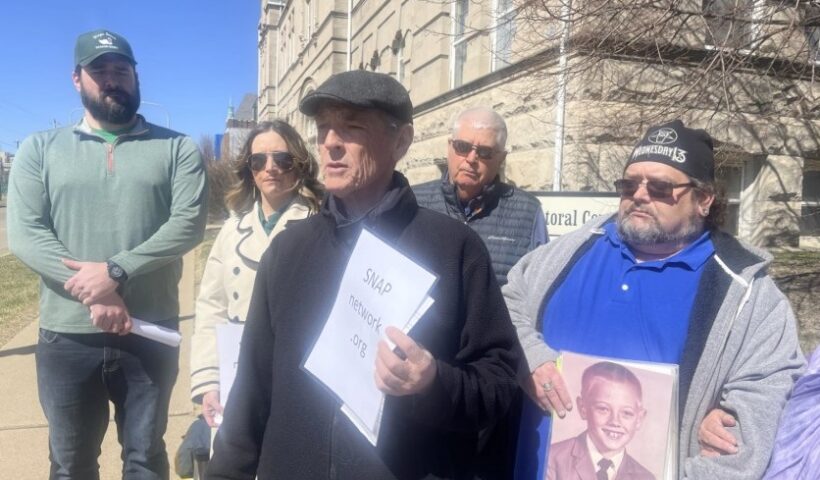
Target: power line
24	110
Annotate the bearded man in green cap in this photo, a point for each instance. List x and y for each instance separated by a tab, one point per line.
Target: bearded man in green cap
103	211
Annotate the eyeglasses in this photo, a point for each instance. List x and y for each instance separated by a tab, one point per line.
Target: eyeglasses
282	160
657	189
464	148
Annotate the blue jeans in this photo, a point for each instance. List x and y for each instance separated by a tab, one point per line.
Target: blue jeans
77	375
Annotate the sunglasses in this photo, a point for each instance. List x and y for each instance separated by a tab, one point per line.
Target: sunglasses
464	148
282	160
657	189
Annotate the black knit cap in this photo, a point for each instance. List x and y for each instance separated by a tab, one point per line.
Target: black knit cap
686	149
362	89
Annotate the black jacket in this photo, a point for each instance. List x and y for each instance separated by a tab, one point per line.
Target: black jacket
281	423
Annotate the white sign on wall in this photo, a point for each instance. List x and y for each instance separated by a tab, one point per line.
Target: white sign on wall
566	211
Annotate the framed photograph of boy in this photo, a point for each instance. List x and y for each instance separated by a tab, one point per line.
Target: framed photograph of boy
623	425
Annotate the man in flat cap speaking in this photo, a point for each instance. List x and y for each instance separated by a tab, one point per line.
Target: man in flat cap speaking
660	282
451	376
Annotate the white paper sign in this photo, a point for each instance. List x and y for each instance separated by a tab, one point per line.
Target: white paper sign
380	287
372	434
228	338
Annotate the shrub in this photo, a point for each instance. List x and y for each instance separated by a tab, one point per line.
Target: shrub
220	179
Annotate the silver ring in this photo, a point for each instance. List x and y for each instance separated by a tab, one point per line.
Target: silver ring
547	386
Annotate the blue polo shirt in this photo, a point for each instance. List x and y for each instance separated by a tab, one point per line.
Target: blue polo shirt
612	306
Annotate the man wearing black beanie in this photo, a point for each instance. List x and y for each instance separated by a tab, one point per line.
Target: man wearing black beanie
660	282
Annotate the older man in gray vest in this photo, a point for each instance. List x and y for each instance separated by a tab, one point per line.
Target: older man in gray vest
509	220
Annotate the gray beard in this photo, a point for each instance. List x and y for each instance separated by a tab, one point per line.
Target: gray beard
653	233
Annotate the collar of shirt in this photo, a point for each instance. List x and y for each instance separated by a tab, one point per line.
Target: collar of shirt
693	256
596	457
109	137
269	223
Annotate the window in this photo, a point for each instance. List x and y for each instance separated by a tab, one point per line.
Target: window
397	46
812	23
729	179
400	64
309	24
810	209
504	33
459	52
731	23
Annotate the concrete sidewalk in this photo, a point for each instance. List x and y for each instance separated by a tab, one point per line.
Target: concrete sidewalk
23	428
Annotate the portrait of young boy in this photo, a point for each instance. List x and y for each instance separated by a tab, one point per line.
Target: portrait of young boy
611	404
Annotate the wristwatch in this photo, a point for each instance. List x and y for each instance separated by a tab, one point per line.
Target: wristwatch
116	272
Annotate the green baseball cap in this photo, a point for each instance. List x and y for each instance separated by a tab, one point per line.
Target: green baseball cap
91	45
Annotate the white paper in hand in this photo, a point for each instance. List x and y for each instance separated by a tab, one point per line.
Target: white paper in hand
380	287
152	331
228	338
372	434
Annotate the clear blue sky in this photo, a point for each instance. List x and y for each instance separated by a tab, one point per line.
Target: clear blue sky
193	57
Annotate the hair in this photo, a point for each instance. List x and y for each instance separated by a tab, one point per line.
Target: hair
241	195
612	372
717	211
483	117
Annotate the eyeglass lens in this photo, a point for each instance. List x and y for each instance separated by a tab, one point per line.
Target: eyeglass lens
656	188
463	148
282	160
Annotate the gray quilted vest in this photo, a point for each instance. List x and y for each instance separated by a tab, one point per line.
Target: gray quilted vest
503	216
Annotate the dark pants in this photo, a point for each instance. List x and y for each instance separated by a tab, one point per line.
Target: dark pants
77	375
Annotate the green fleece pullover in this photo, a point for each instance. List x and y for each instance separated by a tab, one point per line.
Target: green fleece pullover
139	202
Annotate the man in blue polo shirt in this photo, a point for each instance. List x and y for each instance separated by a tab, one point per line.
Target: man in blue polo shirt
660	282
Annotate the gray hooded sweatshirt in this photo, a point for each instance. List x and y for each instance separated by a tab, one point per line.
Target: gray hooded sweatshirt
741	352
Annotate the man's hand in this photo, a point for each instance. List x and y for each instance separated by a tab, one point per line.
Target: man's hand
547	389
713	437
111	315
211	407
91	282
407	372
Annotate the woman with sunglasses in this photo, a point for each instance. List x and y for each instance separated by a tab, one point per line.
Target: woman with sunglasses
276	185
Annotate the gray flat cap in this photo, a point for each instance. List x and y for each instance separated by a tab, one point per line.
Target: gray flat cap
361	89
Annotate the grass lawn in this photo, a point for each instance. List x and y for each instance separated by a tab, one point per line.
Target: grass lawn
19	291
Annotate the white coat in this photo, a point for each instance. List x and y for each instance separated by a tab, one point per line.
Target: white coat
227	285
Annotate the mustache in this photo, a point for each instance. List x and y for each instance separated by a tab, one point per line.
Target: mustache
115	91
635	208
